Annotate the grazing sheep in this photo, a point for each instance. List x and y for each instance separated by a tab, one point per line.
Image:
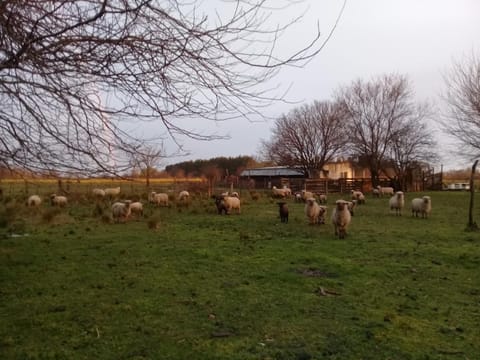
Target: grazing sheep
322	198
121	211
34	200
376	193
112	192
385	190
359	196
98	193
160	199
341	218
314	212
422	206
231	203
283	211
351	206
56	200
136	208
397	202
183	195
278	193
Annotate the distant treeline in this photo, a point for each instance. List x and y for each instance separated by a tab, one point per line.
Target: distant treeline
223	166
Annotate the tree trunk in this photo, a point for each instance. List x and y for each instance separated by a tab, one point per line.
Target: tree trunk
471	224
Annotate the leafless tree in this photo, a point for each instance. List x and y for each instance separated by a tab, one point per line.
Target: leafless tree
462	96
413	145
308	137
377	112
79	78
146	158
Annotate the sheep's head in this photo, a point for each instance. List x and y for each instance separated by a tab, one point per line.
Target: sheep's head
310	201
341	204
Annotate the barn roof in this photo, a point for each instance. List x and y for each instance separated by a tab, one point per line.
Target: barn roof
282	171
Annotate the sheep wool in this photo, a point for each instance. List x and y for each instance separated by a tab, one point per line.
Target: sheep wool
281	193
385	190
121	211
313	211
112	192
183	195
341	218
397	203
56	200
34	200
422	206
158	199
136	208
99	193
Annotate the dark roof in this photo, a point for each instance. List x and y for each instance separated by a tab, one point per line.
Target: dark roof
282	171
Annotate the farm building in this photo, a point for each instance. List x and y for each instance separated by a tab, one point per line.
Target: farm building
266	177
340	175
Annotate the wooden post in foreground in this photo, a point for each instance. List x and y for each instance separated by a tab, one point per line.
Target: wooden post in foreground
471	224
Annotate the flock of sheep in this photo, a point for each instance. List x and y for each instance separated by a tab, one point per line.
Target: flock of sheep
121	210
344	210
226	203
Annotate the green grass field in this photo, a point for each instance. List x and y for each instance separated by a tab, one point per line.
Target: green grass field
205	286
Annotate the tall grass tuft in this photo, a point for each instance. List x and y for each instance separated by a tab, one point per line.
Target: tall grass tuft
49	215
153	222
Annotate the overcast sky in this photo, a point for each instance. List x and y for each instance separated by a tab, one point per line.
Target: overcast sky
417	38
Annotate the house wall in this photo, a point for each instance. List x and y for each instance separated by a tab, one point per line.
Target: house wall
338	170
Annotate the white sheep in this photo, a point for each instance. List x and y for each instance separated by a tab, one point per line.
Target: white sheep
385	190
136	208
288	191
57	200
98	193
231	203
341	218
121	211
422	206
314	212
282	193
34	200
322	198
397	202
356	194
183	195
158	199
306	195
112	192
376	193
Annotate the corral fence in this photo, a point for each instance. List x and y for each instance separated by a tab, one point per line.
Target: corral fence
414	181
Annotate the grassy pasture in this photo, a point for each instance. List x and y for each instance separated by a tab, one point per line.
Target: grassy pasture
205	286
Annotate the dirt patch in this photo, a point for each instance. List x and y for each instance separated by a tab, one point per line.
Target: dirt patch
313	272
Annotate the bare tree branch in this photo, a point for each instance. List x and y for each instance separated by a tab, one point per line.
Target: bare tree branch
308	137
462	120
377	111
73	73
